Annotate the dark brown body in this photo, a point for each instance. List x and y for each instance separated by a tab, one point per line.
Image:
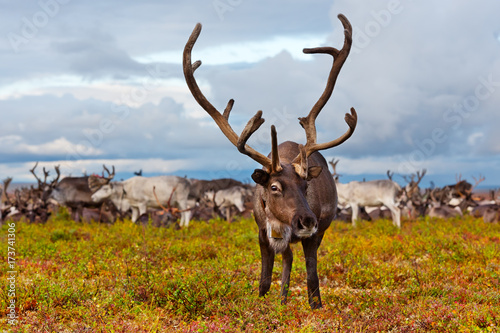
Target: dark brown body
199	186
74	193
320	199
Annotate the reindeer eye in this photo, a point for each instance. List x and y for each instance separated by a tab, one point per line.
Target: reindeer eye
274	188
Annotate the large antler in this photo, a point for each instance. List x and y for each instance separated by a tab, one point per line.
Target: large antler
40	183
96	182
420	175
412	184
111	174
222	119
309	122
477	181
54	181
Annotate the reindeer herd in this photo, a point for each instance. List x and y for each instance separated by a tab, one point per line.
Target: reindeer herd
163	199
295	198
98	198
386	198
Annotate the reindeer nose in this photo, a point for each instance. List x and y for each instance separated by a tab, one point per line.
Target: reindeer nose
307	222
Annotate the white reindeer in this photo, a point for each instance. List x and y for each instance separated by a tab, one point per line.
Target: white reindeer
374	193
227	198
371	193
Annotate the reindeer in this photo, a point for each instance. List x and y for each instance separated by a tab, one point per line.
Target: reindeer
38	207
6	204
76	192
360	195
414	202
45	189
466	201
295	197
437	208
457	195
412	187
167	215
225	199
371	193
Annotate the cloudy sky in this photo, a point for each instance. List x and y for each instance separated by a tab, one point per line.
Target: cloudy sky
89	83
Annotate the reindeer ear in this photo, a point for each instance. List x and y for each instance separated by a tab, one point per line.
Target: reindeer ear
314	172
260	176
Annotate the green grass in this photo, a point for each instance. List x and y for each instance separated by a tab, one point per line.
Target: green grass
432	275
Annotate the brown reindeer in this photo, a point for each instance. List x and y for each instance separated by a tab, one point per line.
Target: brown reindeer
76	192
412	187
45	188
295	197
6	203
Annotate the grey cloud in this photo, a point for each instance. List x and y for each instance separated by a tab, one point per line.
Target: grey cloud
404	78
95	55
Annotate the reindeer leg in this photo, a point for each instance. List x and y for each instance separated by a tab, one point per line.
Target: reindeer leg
79	213
285	275
185	218
135	214
310	246
267	255
355	211
396	215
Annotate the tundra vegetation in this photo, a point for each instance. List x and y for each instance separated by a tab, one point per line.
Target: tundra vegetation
431	275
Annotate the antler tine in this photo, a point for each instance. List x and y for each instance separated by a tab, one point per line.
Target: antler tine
221	119
33	170
308	123
6	183
339	57
421	175
34	174
111	175
45	175
253	124
311	145
433	198
166	210
334	163
58	172
478	181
